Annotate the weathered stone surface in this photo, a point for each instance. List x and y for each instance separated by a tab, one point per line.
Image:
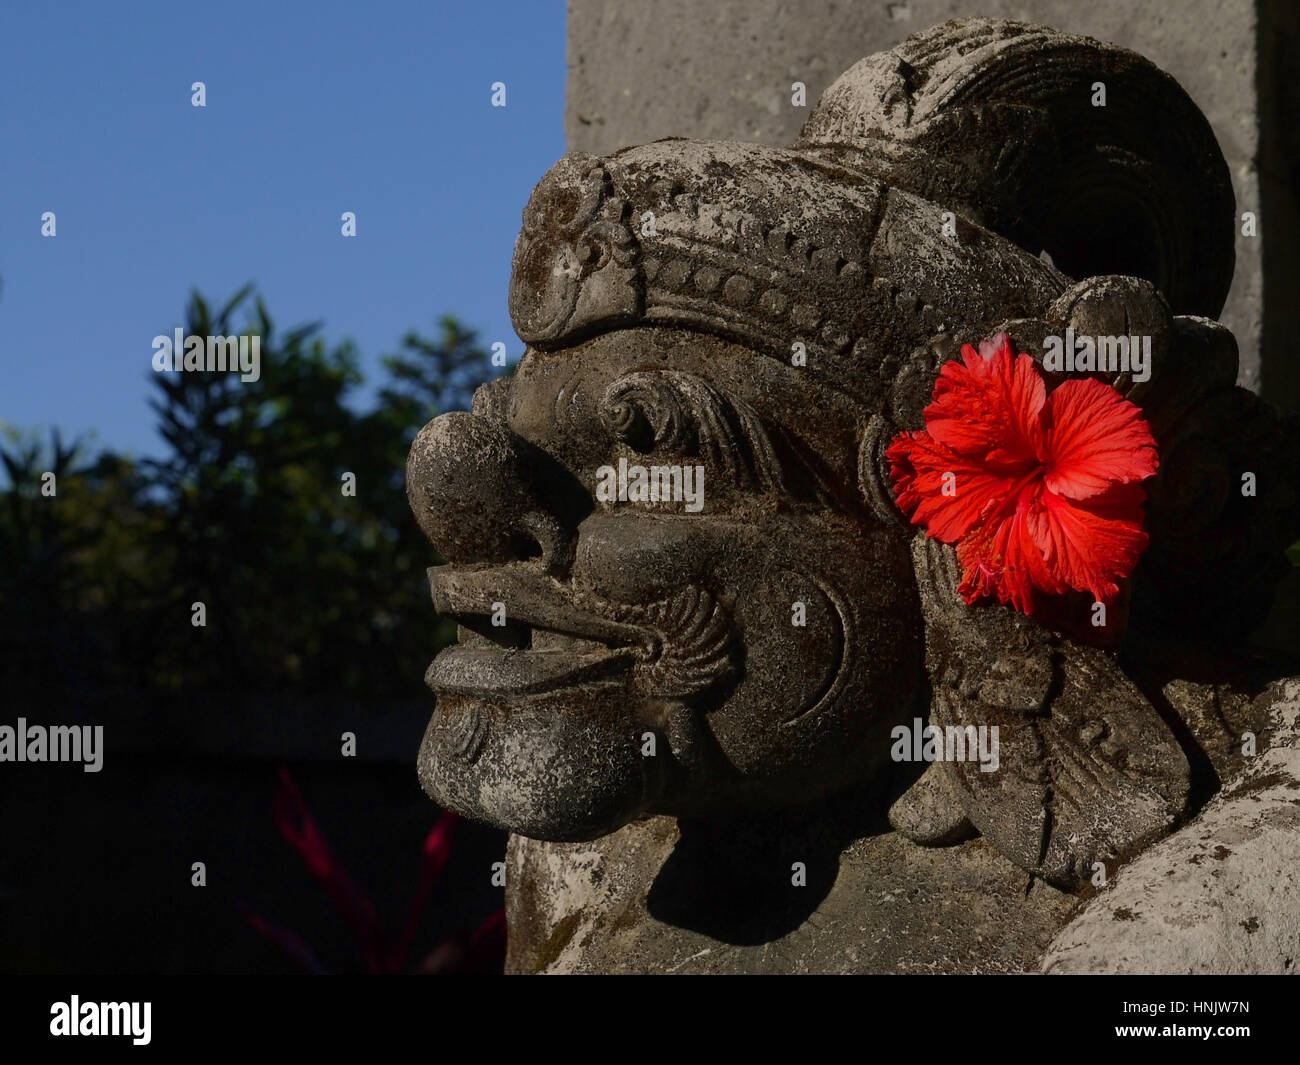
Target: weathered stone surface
1219	896
632	903
693	692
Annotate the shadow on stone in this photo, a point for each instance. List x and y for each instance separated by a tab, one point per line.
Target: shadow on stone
753	880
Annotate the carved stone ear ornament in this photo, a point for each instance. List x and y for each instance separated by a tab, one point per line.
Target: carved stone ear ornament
1085	770
1088	770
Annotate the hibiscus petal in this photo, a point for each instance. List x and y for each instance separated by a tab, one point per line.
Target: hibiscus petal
919	466
989	409
1092	545
1003	559
1095	438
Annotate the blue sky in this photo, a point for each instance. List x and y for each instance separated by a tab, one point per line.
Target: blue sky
380	108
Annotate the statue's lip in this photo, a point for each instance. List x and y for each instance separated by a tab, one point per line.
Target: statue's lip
538	601
530	597
478	670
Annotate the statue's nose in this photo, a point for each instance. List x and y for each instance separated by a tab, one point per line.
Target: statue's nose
473	487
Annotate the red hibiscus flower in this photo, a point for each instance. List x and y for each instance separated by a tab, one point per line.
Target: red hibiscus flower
1040	493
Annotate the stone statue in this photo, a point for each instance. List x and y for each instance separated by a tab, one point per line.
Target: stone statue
696	596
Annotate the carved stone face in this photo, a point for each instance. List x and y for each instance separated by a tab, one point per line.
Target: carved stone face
750	645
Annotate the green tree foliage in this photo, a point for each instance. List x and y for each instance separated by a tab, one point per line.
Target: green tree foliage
305	588
65	557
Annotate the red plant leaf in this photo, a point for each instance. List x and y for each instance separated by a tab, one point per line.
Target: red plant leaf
301	831
433	858
297	948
